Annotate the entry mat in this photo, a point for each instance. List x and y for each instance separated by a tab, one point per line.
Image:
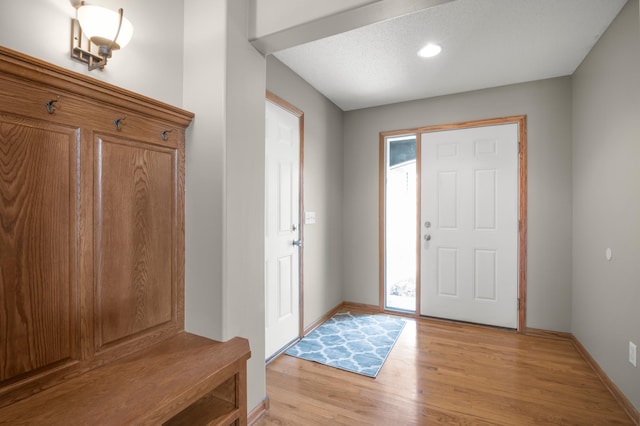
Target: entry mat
358	343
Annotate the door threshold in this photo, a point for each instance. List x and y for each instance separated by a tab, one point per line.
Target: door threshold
469	323
282	350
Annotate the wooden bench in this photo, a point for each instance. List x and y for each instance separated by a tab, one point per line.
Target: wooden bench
184	380
92	260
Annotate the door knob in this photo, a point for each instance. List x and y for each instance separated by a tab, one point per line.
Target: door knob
427	237
297	243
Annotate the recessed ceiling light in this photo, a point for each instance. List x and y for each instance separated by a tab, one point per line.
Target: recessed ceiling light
430	50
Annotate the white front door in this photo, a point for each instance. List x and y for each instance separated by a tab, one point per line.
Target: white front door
281	228
469	224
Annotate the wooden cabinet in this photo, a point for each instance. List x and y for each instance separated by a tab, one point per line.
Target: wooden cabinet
91	235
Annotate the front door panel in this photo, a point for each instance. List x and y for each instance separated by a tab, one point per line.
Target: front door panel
281	228
469	224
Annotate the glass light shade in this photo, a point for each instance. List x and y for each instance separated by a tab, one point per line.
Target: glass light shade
100	25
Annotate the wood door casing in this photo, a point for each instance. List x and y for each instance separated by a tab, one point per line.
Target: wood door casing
135	219
39	313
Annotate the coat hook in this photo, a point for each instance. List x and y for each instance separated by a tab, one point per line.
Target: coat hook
117	122
50	105
165	135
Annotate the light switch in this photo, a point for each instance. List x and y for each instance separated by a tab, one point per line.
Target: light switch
309	218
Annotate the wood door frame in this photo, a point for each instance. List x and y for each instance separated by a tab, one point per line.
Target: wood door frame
521	121
275	99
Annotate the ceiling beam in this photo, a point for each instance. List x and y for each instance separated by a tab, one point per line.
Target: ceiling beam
339	23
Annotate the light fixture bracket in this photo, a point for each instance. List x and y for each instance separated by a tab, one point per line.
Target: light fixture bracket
91	54
96	31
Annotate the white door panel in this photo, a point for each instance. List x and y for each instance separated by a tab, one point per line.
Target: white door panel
281	228
469	211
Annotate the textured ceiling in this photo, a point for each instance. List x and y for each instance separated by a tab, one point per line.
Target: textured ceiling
486	43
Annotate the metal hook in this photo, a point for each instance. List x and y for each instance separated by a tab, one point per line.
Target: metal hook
165	135
117	122
50	105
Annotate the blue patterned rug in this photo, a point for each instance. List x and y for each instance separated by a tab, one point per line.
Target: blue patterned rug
353	342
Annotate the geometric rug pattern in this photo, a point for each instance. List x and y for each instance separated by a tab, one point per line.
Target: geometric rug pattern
358	343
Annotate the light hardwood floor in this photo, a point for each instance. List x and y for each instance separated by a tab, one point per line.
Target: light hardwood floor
447	373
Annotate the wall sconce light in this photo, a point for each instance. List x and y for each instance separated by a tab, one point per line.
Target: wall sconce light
96	33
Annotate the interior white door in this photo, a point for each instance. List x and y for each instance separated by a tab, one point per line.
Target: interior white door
282	312
469	226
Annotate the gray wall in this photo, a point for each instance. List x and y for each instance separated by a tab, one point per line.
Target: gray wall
547	105
204	166
243	255
606	201
42	29
224	294
322	188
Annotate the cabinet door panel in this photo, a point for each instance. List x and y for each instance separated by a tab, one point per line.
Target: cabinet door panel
38	245
136	186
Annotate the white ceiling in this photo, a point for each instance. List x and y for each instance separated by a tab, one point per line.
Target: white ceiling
486	43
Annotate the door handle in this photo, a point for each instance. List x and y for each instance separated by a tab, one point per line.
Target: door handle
297	243
427	237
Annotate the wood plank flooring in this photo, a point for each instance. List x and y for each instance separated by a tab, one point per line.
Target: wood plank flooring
447	373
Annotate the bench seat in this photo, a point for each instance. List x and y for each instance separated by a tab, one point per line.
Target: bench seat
186	379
